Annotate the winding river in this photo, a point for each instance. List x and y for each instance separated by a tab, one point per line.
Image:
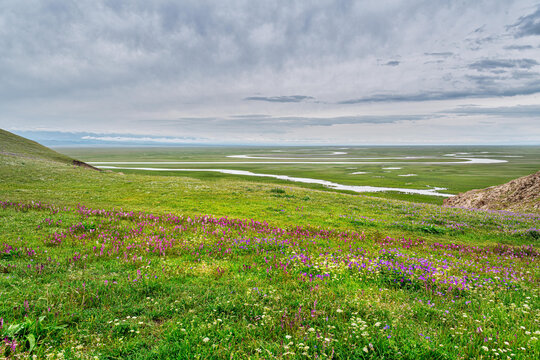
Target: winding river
332	185
461	159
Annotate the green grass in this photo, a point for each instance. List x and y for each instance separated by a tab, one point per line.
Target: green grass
15	145
456	178
119	284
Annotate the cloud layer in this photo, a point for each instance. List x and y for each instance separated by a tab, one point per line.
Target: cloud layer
329	69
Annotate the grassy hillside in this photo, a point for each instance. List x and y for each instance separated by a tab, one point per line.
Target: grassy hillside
14	145
115	266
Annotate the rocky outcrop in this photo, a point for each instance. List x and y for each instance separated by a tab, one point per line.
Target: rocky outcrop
83	164
522	194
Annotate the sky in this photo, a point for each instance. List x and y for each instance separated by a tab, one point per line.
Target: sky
287	72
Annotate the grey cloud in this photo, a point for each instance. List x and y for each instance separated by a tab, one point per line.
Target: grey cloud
479	29
251	116
443	54
525	75
440	61
532	88
484	80
281	99
489	64
409	97
528	25
291	98
476	43
518	47
97	65
98	45
532	111
103	44
275	124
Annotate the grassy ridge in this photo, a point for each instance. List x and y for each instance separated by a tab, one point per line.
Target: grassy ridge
11	144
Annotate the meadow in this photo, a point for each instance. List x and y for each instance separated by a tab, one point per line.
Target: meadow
116	265
397	167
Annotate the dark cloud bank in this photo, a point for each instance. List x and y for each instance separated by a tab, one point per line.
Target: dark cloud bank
105	66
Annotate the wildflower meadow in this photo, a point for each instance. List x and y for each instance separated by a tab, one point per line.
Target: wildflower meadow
84	283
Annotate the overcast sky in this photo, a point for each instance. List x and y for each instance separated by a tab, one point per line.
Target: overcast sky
290	72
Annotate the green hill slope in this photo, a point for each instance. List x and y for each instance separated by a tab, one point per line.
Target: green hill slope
15	145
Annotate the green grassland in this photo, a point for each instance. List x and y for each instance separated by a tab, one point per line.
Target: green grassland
521	161
14	145
126	265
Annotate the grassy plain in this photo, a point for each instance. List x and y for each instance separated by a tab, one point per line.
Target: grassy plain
115	266
521	161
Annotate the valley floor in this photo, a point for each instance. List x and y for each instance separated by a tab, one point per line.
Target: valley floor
115	266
